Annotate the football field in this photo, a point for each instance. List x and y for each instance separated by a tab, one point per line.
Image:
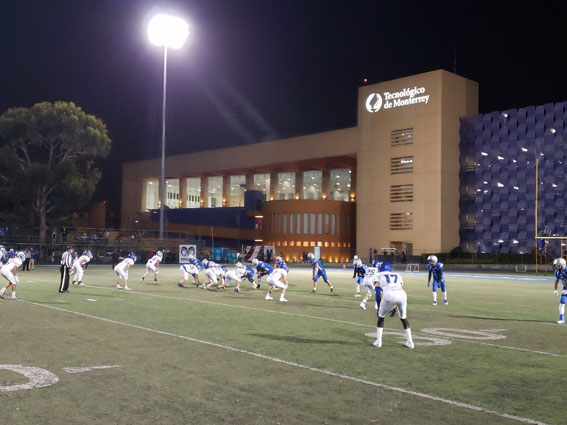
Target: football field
161	354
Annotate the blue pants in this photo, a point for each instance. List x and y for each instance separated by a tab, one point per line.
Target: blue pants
321	273
436	284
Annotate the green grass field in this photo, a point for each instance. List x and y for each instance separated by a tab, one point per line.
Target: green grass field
494	355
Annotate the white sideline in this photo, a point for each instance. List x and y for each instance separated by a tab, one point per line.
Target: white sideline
300	366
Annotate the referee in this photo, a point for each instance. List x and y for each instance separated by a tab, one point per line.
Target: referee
66	264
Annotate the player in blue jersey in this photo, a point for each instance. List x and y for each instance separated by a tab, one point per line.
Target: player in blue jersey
193	267
561	275
436	270
356	267
280	264
318	271
262	269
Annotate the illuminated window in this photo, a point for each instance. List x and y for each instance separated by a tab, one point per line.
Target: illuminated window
262	183
284	243
319	243
215	192
152	194
193	192
286	186
305	243
312	184
172	193
339	184
298	243
326	244
291	243
278	243
332	244
237	189
312	243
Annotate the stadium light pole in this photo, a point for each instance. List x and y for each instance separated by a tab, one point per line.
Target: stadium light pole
169	32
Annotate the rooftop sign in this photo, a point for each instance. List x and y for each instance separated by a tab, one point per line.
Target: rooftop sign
390	100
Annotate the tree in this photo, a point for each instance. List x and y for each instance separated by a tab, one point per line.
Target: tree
47	161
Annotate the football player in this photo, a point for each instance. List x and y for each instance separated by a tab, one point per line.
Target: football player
368	274
389	293
121	271
358	274
280	264
234	275
78	267
560	275
277	279
318	271
10	273
215	272
153	266
192	268
262	269
436	270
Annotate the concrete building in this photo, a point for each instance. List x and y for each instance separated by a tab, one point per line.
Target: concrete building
390	182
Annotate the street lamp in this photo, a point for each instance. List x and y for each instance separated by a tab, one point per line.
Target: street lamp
166	31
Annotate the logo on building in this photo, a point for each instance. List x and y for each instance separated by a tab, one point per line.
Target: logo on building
373	103
390	100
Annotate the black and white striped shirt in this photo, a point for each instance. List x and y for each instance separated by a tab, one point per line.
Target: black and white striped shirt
67	259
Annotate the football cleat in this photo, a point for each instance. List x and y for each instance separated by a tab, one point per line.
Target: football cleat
377	343
434	302
237	290
127	289
180	285
363	306
119	287
560	322
267	297
283	300
356	295
446	302
331	289
314	290
409	344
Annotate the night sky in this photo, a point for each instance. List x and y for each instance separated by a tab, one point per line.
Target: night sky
258	70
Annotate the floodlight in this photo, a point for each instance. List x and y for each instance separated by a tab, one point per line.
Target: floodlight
168	31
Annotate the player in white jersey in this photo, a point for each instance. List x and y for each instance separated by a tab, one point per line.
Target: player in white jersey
214	272
234	275
277	279
369	277
78	267
389	289
10	273
153	266
121	271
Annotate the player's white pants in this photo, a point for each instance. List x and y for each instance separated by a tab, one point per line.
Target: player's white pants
393	298
9	274
230	276
121	273
276	282
78	272
151	268
212	275
368	287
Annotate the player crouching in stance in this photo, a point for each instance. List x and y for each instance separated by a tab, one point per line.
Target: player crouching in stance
215	272
192	268
561	275
235	275
9	271
389	295
121	271
436	269
262	269
318	271
277	279
78	267
153	266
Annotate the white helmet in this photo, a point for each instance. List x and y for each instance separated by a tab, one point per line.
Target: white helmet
358	262
205	262
239	264
559	263
22	256
311	256
432	259
2	250
89	254
278	259
159	255
355	258
255	262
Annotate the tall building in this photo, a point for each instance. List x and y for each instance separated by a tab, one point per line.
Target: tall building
391	182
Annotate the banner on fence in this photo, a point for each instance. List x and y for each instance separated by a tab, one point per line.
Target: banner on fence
186	251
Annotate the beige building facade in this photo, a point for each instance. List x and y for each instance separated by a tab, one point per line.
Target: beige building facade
398	172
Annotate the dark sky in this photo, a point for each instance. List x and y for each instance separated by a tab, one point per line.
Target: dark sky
256	70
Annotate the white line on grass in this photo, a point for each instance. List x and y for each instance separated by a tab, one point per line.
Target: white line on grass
507	347
300	366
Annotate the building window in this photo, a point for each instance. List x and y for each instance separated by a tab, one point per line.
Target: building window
298	222
305	223
401	221
237	189
262	184
338	224
401	137
193	193
401	165
327	223
312	184
152	194
339	184
291	226
319	223
215	192
172	193
284	222
401	193
286	186
332	224
312	222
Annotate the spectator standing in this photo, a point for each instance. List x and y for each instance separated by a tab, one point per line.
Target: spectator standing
66	265
54	237
32	259
27	256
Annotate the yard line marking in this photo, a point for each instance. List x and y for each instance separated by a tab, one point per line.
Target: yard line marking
305	367
87	368
346	322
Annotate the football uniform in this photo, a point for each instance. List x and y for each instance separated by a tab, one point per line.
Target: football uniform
368	280
152	265
275	278
7	270
78	267
392	294
319	270
121	268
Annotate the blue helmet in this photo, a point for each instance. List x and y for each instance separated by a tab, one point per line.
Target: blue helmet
132	256
385	267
